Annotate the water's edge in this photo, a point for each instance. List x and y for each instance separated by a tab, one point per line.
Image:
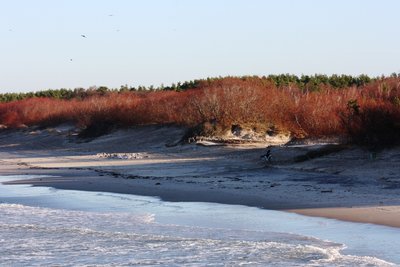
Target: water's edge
127	221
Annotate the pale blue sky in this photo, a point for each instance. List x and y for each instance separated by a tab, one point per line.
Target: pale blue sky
150	42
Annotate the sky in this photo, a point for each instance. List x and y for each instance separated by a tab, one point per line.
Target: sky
48	44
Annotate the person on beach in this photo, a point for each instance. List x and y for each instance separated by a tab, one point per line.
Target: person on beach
267	157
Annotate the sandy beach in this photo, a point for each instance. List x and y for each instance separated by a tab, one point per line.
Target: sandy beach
314	178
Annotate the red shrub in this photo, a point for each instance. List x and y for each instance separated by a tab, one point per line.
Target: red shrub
226	102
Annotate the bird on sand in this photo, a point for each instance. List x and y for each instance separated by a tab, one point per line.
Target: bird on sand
267	157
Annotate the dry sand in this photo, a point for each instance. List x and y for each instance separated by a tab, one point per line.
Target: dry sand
345	183
385	215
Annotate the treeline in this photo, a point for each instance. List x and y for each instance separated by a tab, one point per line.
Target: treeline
315	82
78	93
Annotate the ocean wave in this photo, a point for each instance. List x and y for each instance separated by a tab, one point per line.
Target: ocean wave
43	236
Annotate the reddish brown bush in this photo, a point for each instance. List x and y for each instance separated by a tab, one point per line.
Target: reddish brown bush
375	123
367	114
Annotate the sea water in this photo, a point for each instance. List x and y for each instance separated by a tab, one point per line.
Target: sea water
41	226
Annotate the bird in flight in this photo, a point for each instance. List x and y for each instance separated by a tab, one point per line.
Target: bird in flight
84	36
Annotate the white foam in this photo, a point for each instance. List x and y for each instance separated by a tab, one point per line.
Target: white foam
43	236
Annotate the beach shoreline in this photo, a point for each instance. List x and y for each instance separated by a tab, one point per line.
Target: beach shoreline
381	215
332	186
